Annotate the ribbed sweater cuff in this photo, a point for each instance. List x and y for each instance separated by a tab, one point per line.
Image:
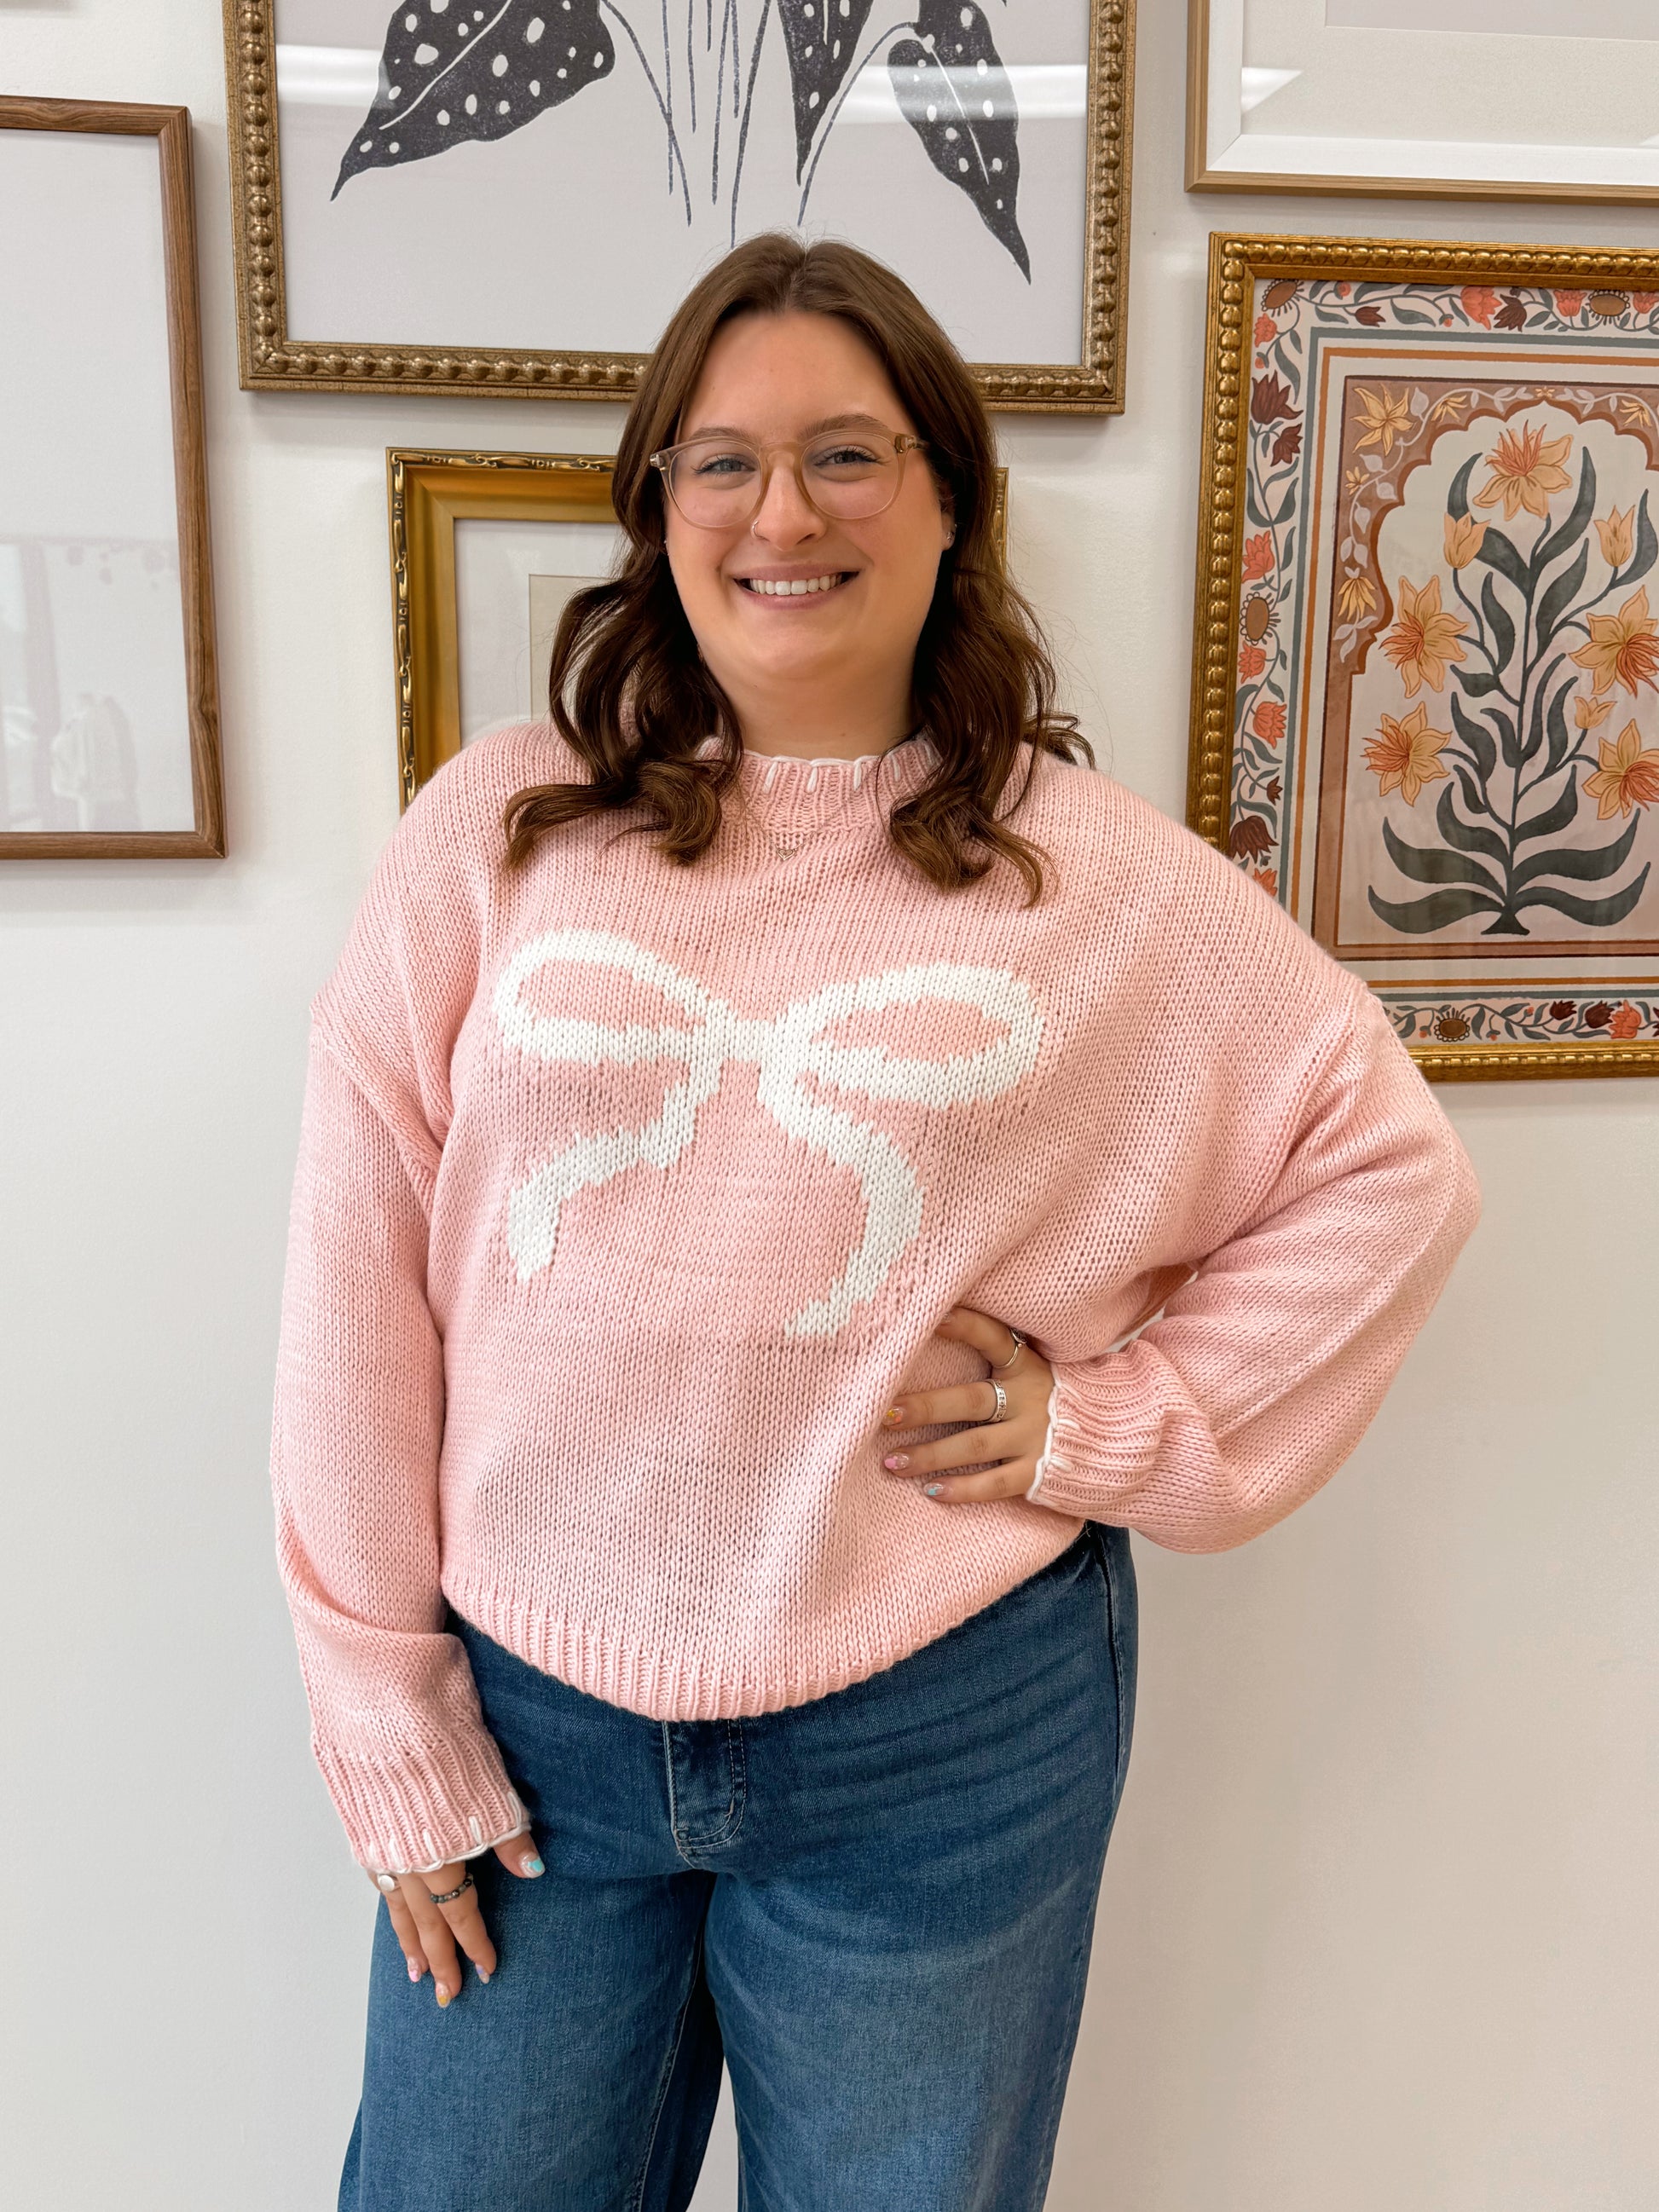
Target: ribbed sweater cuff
1094	1464
428	1810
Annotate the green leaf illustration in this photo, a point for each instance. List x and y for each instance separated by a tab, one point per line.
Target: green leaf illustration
1647	546
1535	719
1497	552
1556	722
1578	865
1556	542
1497	622
1426	865
1417	917
1475	734
1550	819
1457	498
1561	594
1468	836
1476	681
1595	914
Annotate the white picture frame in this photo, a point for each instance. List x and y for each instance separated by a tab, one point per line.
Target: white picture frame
1578	117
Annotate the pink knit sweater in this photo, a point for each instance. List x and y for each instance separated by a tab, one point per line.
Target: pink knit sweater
629	1195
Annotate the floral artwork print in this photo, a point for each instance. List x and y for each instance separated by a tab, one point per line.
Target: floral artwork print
1446	728
452	72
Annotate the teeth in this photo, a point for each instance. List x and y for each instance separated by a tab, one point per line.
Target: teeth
794	588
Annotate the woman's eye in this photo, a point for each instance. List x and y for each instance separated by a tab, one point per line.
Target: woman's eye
719	464
844	457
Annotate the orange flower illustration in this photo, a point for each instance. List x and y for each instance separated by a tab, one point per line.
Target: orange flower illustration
1627	777
1388	416
1618	534
1357	596
1568	304
1625	1022
1526	468
1591	713
1423	638
1464	539
1622	647
1258	556
1267	329
1480	303
1251	661
1268	721
1268	880
1405	755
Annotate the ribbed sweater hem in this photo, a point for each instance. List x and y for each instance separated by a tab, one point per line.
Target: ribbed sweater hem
675	1686
438	1803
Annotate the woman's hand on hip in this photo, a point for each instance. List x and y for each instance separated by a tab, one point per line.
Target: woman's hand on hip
1016	1441
434	1936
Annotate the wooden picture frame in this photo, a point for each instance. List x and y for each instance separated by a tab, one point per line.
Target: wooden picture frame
93	760
279	355
429	493
1424	713
1594	172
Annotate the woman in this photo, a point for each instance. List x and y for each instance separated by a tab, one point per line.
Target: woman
746	1126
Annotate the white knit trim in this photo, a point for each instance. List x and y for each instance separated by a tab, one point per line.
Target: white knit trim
1047	1440
477	1851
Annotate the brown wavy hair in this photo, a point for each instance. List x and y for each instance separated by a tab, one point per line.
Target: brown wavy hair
629	691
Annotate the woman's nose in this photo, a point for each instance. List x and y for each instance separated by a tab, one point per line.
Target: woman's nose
784	517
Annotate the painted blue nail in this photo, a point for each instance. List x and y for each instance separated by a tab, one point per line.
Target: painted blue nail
532	1866
933	1490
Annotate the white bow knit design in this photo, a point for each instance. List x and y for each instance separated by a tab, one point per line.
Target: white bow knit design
787	1047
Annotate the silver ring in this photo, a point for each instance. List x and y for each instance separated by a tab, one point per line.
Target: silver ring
1001	1413
1019	1346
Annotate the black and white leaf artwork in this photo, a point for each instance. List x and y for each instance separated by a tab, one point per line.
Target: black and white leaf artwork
955	95
452	71
821	37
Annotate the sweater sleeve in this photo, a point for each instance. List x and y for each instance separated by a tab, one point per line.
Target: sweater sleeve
358	1422
1264	1371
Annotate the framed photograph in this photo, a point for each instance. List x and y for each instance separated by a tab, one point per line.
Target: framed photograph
513	196
1397	97
1425	710
108	693
486	549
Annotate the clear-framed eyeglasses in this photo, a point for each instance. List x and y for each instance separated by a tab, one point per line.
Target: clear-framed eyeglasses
847	475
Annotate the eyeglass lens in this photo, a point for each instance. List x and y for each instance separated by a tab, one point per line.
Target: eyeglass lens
718	481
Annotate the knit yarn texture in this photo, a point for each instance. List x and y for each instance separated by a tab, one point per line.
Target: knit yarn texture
631	1194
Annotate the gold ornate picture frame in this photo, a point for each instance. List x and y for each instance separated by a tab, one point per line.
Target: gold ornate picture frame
1425	699
486	548
449	239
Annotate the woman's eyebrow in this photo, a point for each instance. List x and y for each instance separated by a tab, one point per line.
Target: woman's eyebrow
812	430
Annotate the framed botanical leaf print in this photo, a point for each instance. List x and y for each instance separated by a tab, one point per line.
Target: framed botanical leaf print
1426	685
512	196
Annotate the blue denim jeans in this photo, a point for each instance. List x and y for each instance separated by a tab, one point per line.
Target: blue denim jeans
877	1907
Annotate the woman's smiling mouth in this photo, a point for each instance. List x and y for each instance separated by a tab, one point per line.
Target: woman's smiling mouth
794	587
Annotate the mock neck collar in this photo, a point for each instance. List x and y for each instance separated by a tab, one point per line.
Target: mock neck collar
788	795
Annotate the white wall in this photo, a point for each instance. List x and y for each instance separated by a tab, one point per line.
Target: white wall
1380	1923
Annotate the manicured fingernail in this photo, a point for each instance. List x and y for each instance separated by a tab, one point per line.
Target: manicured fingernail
483	1973
934	1490
532	1866
897	1460
388	1882
443	1997
415	1970
893	1416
